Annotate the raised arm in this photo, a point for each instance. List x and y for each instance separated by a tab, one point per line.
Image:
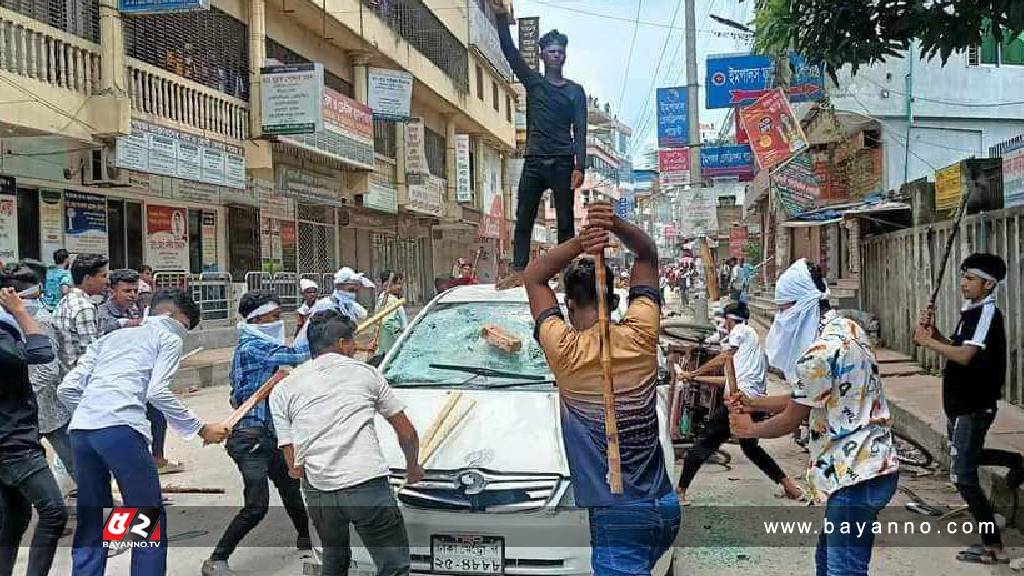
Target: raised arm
645	266
528	76
579	135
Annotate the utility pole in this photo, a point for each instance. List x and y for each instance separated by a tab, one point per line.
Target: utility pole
693	95
910	111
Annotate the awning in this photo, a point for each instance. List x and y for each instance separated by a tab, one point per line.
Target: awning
809	223
837	212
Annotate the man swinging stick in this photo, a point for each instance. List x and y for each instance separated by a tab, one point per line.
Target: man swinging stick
556	141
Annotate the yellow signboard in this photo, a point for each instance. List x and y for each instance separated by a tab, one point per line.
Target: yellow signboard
948	187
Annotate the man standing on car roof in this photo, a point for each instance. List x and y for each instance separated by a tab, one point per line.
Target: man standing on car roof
628	531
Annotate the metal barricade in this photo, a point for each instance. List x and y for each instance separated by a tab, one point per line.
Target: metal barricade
170	279
212	291
257	281
284	285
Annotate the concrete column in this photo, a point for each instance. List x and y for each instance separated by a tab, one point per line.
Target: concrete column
450	169
257	59
479	182
360	90
110	110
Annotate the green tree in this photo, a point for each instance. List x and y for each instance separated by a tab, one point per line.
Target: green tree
864	32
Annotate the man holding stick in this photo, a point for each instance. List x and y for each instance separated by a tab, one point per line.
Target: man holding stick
253	443
630	530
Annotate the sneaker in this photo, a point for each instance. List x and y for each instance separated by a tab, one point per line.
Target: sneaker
303	543
217	568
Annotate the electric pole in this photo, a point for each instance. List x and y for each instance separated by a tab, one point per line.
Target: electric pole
693	95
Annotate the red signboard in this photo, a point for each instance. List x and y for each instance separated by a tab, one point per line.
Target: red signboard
738	236
674	166
775	133
741	133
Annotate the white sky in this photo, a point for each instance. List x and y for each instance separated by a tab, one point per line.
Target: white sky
599	49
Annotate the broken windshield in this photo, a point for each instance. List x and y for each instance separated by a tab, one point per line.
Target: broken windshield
451	334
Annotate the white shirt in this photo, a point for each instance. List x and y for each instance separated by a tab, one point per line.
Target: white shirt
326	409
123	371
749	360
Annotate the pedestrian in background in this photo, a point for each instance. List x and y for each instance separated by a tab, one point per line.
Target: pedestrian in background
108	392
58	278
252	445
26	481
972	384
395	323
121	310
310	292
146	284
324	415
74	320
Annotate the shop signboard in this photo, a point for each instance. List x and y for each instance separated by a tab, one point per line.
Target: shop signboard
699	214
85	223
731	161
347	135
529	41
381	196
464	188
673	117
209	240
415	152
389	93
674	166
307	186
167	237
774	131
948	187
51	229
167	152
427	197
740	79
796	186
8	228
292	98
138	7
1013	176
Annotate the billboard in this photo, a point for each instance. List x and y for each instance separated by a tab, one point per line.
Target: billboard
673	117
730	161
740	79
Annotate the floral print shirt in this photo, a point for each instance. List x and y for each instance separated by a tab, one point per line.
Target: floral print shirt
851	437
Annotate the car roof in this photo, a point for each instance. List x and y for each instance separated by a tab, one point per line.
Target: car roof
487	293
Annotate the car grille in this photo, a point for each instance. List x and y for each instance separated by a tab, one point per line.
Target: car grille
499	492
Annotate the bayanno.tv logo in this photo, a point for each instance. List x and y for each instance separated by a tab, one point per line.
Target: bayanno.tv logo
131	528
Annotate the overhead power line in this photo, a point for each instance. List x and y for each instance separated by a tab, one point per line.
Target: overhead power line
629	59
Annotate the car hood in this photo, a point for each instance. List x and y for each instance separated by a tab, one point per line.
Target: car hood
505	431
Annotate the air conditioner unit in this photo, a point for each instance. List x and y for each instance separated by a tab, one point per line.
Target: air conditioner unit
104	171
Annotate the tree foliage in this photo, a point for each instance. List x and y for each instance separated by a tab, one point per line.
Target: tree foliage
863	32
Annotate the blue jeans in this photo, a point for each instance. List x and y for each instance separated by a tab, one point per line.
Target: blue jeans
159	429
848	554
627	539
123	452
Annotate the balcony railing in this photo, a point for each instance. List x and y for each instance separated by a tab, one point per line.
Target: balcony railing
168	96
484	37
34	50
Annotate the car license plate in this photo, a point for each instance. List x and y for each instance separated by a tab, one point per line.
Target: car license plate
453	554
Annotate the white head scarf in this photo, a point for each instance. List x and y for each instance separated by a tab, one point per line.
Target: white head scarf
794	329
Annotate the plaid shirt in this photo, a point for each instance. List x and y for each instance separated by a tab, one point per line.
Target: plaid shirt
74	324
255	361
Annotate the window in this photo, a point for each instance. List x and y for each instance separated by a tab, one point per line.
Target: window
479	82
1009	52
278	52
78	17
384	137
496	100
508	108
434	147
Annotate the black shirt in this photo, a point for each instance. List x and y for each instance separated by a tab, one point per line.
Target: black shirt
556	116
976	386
19	424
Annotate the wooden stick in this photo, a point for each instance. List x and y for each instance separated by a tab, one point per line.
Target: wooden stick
172	489
376	333
710	273
379	316
731	385
445	432
949	249
261	394
611	427
446	408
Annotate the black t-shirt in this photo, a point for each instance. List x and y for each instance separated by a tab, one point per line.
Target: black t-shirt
977	386
19	423
556	116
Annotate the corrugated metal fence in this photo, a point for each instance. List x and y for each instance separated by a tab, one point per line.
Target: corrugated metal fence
897	282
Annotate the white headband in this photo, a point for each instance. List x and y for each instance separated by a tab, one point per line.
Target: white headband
28	292
264	309
736	317
981	274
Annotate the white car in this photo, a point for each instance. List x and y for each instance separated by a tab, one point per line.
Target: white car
497	497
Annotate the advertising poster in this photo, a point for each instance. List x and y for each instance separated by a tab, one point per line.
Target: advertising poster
948	187
796	186
673	117
292	98
8	228
774	132
85	223
167	237
464	188
209	240
674	166
51	231
1013	178
390	93
699	214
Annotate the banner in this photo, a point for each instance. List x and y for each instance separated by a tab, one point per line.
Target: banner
463	175
292	97
741	79
796	186
389	93
209	240
167	237
1013	178
732	161
428	197
382	196
738	236
948	187
8	228
137	7
698	215
415	153
775	133
85	223
51	229
673	117
529	38
347	135
674	166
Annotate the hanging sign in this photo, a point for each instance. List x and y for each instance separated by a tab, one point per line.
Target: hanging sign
8	228
732	161
740	79
167	237
428	197
673	117
774	131
51	230
209	240
347	133
948	187
529	41
796	186
381	196
464	189
85	223
699	215
292	98
415	152
389	93
674	166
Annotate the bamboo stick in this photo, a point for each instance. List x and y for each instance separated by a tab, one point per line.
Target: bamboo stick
446	431
446	408
379	316
611	428
261	394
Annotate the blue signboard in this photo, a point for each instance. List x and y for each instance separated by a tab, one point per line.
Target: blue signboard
727	161
624	205
673	117
161	6
740	79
